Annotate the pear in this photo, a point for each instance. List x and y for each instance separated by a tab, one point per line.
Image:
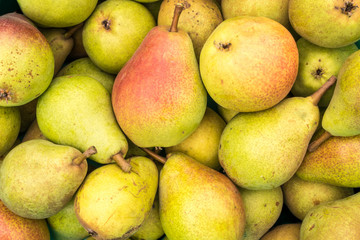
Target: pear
26	61
333	220
112	204
199	19
335	162
38	178
78	51
28	114
197	202
64	13
290	231
33	132
65	225
154	8
202	144
226	114
114	31
263	150
158	96
76	111
10	121
249	63
13	226
300	195
262	210
85	66
335	24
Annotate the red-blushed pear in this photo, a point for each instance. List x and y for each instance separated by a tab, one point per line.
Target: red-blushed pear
158	97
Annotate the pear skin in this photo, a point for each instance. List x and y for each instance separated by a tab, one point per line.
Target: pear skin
10	121
33	132
290	231
197	202
226	114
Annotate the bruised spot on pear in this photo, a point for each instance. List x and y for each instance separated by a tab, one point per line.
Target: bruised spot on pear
106	24
222	46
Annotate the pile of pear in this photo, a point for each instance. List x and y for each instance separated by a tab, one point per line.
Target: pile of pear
180	119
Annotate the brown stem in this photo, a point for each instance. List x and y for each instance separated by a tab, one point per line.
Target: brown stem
72	30
155	156
178	9
316	143
124	165
79	159
316	96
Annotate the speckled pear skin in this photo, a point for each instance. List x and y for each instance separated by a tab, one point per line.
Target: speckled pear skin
26	61
262	150
112	204
332	221
335	162
76	111
342	116
15	227
10	122
158	96
197	202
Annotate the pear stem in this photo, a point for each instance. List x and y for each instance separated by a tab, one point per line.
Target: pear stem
178	9
124	165
79	159
316	96
72	30
155	156
316	143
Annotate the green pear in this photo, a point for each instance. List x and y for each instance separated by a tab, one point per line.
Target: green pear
226	114
290	231
316	65
112	204
274	9
154	8
262	210
300	195
64	224
335	24
85	66
38	178
76	111
158	96
10	121
114	31
33	132
263	150
78	51
15	227
151	228
333	220
335	162
197	202
28	114
249	63
202	144
199	19
26	61
59	14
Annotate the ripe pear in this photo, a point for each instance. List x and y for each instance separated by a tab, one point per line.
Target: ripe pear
197	202
262	210
10	121
26	61
290	231
333	220
85	66
33	132
202	144
199	19
38	178
65	225
13	226
326	23
158	96
263	150
112	204
226	114
300	195
59	14
76	111
335	162
249	63
316	65
114	31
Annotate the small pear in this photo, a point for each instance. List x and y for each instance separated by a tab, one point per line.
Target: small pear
112	204
38	178
300	195
10	121
290	231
